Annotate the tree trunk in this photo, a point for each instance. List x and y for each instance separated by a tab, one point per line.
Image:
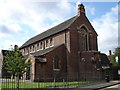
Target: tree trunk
17	80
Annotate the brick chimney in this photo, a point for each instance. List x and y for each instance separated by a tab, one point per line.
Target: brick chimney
16	47
110	52
81	9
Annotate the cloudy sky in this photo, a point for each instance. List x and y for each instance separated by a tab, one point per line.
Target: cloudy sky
20	20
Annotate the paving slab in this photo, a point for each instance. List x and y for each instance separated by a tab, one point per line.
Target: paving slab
101	85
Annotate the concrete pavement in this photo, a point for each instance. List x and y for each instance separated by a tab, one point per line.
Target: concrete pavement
115	87
98	86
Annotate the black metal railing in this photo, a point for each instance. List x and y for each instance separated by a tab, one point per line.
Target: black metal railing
49	82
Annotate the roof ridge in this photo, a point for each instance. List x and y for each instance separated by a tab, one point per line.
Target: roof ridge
53	27
56	29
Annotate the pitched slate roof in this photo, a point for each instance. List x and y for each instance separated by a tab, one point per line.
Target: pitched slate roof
43	52
49	32
4	52
104	59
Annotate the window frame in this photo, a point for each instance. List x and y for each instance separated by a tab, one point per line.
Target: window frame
58	63
84	38
47	43
51	42
41	45
37	45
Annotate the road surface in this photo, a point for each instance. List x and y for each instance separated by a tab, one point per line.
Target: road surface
115	87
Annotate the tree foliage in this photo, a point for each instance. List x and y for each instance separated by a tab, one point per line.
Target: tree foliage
117	52
113	57
14	62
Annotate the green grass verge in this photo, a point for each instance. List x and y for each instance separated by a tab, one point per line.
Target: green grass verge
43	84
0	86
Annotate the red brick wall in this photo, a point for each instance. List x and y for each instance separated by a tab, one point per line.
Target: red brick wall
48	72
70	53
75	45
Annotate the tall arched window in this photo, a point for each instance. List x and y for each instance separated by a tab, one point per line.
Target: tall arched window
84	40
56	62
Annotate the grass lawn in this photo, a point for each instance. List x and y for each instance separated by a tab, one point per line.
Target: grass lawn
0	86
43	84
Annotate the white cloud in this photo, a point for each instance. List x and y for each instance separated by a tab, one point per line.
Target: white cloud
107	29
10	44
90	10
77	3
38	16
10	17
35	15
47	13
42	15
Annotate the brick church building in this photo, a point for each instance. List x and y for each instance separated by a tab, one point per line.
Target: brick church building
67	51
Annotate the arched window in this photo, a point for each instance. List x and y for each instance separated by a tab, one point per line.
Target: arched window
41	45
47	43
56	62
84	36
51	41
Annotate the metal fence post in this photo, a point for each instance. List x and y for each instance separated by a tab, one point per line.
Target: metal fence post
0	83
54	83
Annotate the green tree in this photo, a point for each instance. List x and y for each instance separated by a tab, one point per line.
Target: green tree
115	57
15	63
117	52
